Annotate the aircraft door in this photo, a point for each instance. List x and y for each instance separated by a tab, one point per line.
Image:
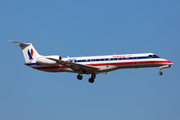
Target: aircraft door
151	59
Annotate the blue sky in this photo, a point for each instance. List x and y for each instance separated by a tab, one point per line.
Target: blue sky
96	27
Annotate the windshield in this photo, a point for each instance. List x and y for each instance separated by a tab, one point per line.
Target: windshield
155	56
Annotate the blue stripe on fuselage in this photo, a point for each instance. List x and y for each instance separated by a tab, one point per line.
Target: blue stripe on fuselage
130	58
29	64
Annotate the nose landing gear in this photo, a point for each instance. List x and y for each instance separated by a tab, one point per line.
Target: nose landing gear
160	73
163	67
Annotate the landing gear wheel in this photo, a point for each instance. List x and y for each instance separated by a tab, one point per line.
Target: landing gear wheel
79	77
160	73
91	80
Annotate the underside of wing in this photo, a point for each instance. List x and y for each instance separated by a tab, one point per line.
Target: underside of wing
76	66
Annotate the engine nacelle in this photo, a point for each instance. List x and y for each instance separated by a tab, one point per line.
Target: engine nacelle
45	61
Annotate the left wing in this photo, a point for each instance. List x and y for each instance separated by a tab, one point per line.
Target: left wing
75	66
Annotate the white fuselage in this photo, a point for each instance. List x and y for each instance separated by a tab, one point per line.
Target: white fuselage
107	63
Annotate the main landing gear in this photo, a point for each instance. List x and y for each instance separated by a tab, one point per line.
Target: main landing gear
91	80
93	76
80	77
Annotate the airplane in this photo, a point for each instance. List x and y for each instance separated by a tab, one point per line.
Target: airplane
91	64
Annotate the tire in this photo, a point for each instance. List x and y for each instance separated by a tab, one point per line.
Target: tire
91	80
79	77
160	73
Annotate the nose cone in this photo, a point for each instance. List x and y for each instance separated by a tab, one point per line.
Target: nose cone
167	62
170	63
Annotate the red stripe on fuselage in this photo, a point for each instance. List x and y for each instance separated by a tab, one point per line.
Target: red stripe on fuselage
129	63
50	67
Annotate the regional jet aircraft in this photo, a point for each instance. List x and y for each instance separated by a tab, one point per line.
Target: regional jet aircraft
90	65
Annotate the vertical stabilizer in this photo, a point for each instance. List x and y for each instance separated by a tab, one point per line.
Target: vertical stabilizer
29	52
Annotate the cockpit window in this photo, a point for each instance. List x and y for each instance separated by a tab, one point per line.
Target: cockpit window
150	56
155	56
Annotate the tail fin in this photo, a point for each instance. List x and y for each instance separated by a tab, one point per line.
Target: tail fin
29	52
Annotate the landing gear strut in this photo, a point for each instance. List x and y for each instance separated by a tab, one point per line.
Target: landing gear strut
160	73
80	77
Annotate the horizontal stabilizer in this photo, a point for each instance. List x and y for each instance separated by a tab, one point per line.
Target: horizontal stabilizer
22	45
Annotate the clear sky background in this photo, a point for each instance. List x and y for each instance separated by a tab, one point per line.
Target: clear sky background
89	28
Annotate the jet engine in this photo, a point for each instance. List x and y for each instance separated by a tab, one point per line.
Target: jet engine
45	61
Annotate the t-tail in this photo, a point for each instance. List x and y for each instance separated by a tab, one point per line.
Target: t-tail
29	52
